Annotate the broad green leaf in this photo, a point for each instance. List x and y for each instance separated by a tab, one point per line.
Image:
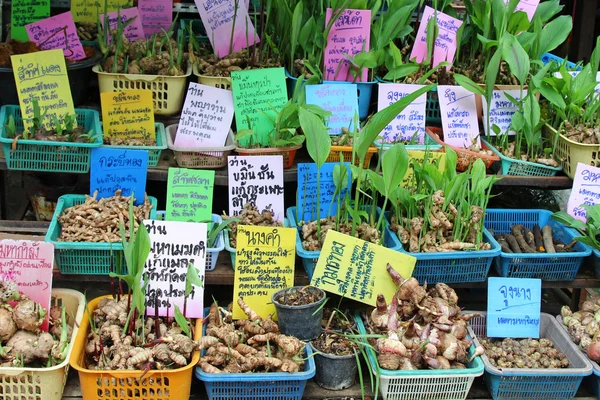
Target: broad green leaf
181	321
468	84
296	27
192	279
547	9
401	71
377	181
243	134
518	22
306	34
554	34
516	57
551	95
318	142
394	167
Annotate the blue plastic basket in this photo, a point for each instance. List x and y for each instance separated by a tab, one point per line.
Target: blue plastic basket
549	267
83	258
231	250
153	151
310	258
426	384
547	58
37	155
514	167
433	114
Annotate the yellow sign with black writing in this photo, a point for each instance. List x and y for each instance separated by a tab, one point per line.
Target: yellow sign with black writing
89	11
417	157
357	270
128	115
43	76
264	264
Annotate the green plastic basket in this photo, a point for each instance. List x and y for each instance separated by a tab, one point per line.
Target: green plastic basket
83	258
153	151
197	28
514	167
36	155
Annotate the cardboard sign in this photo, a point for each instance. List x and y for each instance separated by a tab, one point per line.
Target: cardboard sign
134	30
307	191
189	195
513	308
341	99
256	93
350	34
444	48
24	12
128	114
29	264
57	32
257	180
156	15
459	116
218	18
115	169
264	265
418	157
89	10
356	269
206	117
410	123
527	6
586	190
174	246
43	75
501	111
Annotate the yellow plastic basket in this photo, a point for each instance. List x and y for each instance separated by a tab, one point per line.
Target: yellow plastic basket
569	153
334	155
221	82
44	383
171	384
168	92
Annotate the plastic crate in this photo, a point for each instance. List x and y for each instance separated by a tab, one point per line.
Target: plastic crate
515	383
168	92
569	153
334	155
432	105
288	153
36	155
200	157
153	151
231	250
514	167
83	258
430	145
427	384
465	157
310	258
221	82
545	266
174	384
547	58
44	383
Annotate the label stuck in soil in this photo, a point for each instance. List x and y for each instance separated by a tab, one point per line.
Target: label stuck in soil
24	12
57	32
501	110
128	114
156	15
306	201
135	29
585	192
445	43
189	195
409	125
341	99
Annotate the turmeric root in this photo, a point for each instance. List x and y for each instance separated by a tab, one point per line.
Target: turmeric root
209	369
252	315
289	344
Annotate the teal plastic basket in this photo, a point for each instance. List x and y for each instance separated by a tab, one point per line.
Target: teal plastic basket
425	384
514	167
36	155
231	250
153	151
545	266
83	258
433	114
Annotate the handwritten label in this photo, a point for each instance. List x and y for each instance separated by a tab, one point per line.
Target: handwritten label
420	159
256	93
513	308
24	12
29	264
350	34
156	15
501	111
527	6
128	114
89	10
174	246
341	99
43	76
459	116
410	123
189	195
356	269
134	30
218	18
115	169
445	43
57	32
264	264
307	190
206	117
586	190
257	180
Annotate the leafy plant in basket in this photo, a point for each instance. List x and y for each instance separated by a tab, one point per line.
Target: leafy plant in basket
589	230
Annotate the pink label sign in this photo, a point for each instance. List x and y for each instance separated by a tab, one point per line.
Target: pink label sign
57	32
445	44
586	190
528	6
459	116
218	18
134	30
156	15
350	34
29	264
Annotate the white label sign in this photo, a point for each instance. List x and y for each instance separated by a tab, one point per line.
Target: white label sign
459	116
411	121
501	110
586	190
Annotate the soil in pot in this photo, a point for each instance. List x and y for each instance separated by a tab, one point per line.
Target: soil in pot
299	311
336	365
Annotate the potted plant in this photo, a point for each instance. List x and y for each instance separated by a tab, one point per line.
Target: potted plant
299	311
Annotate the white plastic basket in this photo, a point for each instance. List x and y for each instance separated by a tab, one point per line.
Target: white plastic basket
200	157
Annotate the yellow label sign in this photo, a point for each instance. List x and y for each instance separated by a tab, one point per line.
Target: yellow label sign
357	270
264	264
128	114
417	157
43	76
88	10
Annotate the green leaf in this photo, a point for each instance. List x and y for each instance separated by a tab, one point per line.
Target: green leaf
142	241
181	321
377	181
554	34
401	71
243	134
192	279
468	84
394	167
516	57
296	26
518	22
318	142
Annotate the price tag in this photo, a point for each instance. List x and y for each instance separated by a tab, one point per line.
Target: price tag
513	308
128	115
459	116
410	123
189	195
57	32
586	190
307	190
445	44
340	99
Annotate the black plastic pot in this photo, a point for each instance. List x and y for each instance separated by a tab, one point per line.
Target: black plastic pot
79	77
334	372
300	321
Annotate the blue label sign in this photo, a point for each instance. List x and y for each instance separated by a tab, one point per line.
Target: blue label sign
306	200
114	169
341	99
